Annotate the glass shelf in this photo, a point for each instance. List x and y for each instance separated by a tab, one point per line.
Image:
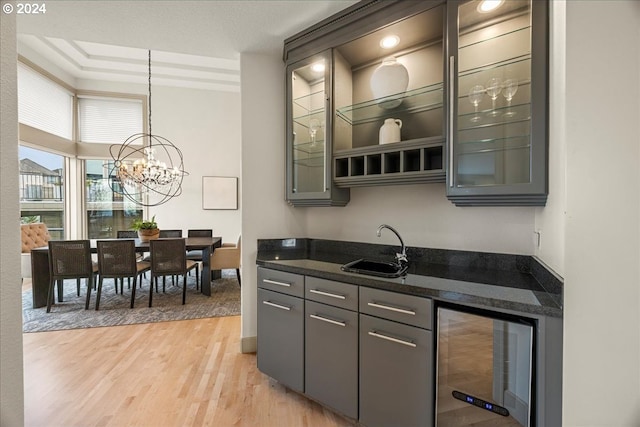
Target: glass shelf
310	102
495	144
310	147
413	101
506	115
522	61
517	32
310	161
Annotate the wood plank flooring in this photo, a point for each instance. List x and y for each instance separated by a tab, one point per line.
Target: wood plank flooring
186	373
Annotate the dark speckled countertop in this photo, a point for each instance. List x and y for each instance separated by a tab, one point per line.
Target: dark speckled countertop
517	283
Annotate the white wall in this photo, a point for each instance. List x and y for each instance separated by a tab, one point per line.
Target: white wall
550	220
425	218
205	126
11	378
602	273
265	213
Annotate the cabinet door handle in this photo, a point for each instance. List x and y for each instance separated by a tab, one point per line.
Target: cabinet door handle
273	304
324	319
390	308
273	282
396	340
452	61
327	294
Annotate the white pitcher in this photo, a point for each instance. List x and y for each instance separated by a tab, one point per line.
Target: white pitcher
390	131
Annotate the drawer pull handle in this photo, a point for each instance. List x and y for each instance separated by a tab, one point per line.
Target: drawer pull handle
273	304
396	340
324	319
327	294
273	282
387	307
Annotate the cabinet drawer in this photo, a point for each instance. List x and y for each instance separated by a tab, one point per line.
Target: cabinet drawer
333	293
408	309
281	281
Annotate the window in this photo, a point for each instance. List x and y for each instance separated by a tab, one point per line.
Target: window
107	211
108	120
44	104
42	189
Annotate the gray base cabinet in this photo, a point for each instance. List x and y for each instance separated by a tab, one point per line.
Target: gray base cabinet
281	338
331	357
396	380
365	353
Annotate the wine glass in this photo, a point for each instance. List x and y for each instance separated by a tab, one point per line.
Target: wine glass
493	90
509	89
475	97
314	126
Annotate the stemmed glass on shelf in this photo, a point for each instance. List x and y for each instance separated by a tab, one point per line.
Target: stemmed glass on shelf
475	97
509	89
494	87
314	126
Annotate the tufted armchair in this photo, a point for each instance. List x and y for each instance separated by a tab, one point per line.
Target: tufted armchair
33	236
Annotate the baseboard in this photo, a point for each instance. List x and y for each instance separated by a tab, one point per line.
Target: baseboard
248	344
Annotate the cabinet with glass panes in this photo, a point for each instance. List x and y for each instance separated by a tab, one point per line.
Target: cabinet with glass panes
497	77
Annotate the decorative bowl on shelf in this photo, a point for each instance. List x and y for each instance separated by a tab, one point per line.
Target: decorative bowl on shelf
390	78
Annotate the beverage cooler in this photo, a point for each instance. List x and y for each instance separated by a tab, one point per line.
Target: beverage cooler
485	369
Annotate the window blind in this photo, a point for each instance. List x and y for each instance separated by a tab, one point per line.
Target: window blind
109	120
43	104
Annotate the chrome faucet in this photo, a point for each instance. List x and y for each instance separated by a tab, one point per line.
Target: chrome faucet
401	258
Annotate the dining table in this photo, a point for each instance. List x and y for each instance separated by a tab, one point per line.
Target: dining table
40	274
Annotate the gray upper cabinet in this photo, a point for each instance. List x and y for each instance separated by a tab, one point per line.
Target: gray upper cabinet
497	124
309	134
374	115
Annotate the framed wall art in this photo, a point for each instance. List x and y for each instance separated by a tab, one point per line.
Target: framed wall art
219	192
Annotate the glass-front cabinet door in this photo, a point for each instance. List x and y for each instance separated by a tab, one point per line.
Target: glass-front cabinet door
497	125
309	127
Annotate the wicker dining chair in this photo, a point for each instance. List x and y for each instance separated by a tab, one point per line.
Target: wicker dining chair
168	258
127	234
117	260
170	233
69	259
196	254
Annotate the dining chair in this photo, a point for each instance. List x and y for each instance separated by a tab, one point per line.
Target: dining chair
127	234
132	234
170	233
169	257
117	260
69	259
227	256
196	254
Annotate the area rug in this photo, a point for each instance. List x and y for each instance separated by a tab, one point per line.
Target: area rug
114	308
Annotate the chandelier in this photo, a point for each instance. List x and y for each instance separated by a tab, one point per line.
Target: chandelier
147	169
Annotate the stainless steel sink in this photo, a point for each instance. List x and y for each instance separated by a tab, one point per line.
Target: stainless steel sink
375	268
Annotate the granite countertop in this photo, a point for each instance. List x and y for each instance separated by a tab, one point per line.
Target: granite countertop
494	281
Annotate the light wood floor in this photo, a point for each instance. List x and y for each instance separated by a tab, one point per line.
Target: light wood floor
186	373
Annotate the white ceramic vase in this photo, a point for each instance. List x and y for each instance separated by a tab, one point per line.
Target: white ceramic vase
390	131
390	78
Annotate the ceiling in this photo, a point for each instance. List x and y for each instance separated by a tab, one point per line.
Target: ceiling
194	43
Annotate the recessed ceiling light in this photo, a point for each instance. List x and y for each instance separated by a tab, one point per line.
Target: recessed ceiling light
389	41
318	67
489	5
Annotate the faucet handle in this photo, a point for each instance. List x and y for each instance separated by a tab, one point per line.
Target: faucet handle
401	258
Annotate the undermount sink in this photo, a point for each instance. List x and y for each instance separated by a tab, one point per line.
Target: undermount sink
375	268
